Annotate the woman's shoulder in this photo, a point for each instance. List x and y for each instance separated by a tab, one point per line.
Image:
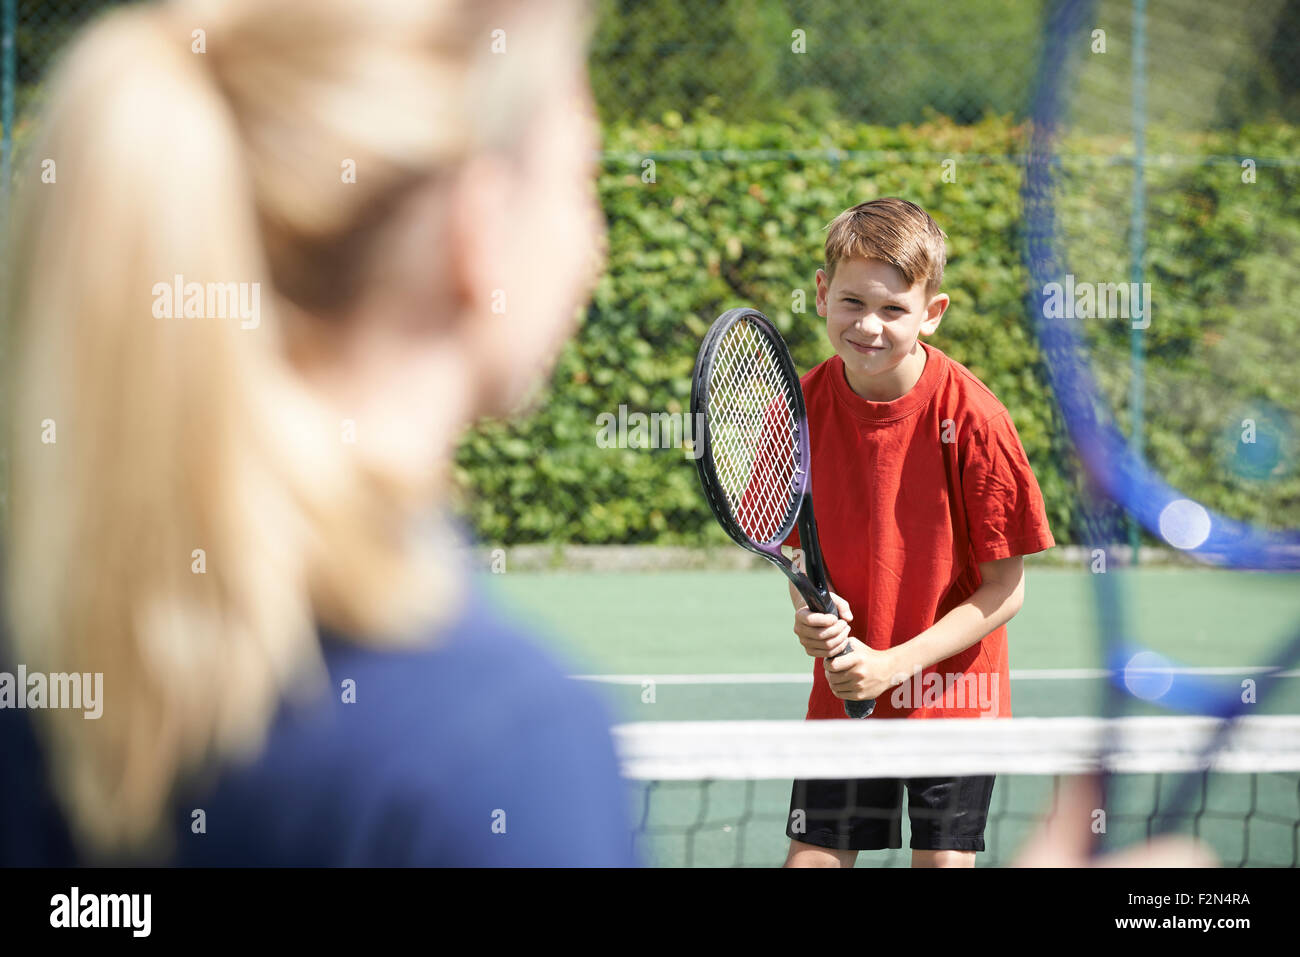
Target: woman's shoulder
413	755
482	672
472	639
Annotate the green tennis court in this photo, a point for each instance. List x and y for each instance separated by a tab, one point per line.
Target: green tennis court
704	626
708	646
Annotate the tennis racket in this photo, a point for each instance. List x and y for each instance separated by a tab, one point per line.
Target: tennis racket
755	460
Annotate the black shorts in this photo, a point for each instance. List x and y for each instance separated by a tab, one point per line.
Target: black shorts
947	814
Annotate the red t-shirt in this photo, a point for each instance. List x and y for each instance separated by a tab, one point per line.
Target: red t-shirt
910	495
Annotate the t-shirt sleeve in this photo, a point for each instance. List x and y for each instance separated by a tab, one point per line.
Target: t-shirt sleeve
1004	506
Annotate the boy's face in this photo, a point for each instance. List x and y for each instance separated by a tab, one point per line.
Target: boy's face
873	318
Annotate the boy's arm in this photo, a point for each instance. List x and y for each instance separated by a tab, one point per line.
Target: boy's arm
992	605
867	673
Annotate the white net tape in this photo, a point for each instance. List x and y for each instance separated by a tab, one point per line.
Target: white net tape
721	750
752	431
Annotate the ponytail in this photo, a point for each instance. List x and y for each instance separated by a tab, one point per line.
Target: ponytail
183	510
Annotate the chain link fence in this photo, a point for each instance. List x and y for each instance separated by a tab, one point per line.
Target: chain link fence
883	63
761	60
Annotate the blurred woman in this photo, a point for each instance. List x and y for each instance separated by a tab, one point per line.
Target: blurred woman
268	259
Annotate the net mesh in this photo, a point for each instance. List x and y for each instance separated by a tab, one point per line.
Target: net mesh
719	793
753	436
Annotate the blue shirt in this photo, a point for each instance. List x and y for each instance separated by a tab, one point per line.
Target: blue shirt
473	750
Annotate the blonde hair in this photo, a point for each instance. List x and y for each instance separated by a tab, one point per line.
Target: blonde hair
894	231
183	511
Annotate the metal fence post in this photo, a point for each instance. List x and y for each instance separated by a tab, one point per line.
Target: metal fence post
1137	247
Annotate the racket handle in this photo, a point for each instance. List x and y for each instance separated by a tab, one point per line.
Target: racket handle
859	709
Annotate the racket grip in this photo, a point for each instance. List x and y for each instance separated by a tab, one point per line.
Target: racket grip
859	709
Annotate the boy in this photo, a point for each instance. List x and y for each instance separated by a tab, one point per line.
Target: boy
926	505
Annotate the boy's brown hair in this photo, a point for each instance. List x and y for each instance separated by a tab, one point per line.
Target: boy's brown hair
894	231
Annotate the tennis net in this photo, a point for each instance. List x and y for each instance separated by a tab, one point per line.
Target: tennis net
718	793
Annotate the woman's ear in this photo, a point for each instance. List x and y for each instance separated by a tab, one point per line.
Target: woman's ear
477	238
441	259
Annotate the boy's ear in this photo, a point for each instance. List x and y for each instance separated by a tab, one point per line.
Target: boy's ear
934	314
823	292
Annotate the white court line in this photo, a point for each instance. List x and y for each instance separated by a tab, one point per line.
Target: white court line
1017	674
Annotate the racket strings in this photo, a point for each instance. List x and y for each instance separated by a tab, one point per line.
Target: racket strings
753	436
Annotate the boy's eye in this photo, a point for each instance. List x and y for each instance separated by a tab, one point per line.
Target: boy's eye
858	302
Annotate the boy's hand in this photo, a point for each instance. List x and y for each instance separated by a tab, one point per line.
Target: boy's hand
862	674
823	635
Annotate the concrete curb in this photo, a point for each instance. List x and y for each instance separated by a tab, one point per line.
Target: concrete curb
659	558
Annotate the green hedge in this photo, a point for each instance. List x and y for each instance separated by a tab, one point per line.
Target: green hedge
714	232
